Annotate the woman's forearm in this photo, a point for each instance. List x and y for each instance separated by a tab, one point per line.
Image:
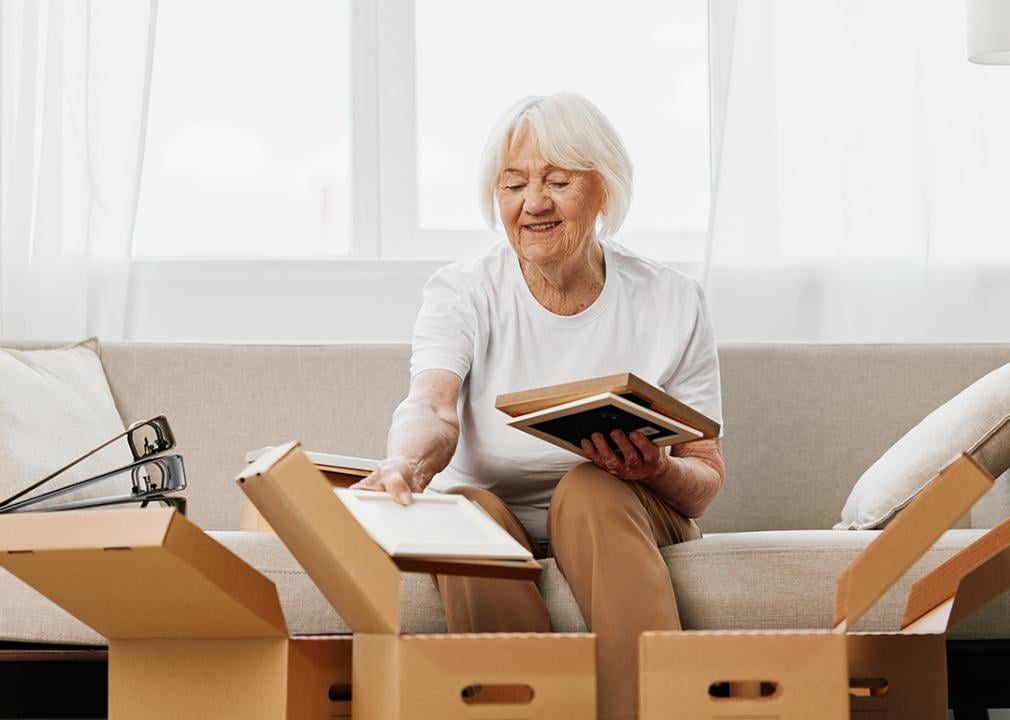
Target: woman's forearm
422	435
692	477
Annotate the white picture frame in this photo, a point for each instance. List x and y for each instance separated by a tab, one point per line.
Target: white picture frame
526	423
432	526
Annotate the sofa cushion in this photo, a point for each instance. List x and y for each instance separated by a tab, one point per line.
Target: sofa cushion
55	405
752	580
901	472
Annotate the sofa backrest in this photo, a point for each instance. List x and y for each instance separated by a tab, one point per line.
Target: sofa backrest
224	400
802	421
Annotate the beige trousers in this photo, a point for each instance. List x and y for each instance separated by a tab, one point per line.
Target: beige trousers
605	534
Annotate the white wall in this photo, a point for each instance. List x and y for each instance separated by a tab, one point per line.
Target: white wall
269	301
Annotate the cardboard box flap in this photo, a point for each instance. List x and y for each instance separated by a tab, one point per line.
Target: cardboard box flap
963	584
83	529
937	507
353	573
140	574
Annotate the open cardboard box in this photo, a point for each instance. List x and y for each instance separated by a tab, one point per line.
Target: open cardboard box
904	674
193	631
421	677
806	673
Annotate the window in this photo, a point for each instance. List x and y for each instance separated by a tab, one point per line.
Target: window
373	151
647	70
248	141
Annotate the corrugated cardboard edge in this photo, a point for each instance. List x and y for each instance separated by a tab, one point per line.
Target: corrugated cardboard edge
946	498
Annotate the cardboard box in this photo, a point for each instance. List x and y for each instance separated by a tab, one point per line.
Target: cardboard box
908	669
193	631
399	676
904	674
804	674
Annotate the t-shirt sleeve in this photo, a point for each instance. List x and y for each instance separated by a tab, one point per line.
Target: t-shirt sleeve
446	325
695	382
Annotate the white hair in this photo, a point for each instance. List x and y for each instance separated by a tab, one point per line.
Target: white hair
571	133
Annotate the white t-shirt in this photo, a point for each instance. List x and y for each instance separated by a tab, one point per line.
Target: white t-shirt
480	320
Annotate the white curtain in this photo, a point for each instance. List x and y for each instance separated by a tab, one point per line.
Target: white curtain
74	86
862	187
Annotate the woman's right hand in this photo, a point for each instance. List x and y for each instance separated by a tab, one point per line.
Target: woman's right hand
395	475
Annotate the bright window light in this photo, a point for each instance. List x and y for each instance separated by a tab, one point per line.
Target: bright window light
645	66
249	131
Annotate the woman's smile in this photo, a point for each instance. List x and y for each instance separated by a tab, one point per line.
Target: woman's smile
542	228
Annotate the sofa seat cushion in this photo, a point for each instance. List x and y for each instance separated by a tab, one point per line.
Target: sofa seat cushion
786	579
753	580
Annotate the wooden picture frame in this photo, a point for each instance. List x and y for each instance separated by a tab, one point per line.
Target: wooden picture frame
652	423
515	404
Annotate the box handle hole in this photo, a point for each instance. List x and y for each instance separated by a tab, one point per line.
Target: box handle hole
340	692
744	689
869	687
497	694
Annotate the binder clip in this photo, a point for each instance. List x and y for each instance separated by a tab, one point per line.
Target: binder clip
152	475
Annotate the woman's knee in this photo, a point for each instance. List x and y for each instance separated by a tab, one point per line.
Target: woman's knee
491	503
587	489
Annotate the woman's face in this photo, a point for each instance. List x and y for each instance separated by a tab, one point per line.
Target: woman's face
549	213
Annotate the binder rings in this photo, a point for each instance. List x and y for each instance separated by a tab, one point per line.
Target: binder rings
153	475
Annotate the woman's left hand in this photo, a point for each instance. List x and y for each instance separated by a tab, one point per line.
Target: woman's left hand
639	459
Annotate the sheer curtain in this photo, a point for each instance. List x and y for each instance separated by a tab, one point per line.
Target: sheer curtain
74	84
863	174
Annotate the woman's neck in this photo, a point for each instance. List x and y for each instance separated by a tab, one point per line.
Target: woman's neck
570	286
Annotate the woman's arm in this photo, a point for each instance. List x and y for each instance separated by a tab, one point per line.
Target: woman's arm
422	436
692	477
689	479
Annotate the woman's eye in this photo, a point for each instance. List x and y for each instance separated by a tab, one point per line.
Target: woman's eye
513	188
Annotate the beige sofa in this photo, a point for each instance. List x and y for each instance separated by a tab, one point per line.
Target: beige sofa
802	422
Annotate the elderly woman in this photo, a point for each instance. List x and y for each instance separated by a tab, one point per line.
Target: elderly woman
560	301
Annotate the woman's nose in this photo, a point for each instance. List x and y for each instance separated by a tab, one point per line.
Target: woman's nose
537	200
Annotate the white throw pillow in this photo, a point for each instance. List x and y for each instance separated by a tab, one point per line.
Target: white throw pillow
55	405
901	472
